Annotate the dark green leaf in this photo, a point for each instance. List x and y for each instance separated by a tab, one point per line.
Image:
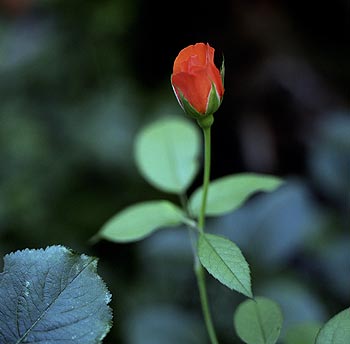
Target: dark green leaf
52	296
258	321
225	261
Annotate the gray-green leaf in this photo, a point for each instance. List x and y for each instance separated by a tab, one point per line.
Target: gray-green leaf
224	260
336	330
167	154
52	296
230	192
140	220
258	321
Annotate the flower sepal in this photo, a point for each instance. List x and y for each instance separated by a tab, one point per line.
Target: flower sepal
188	108
222	71
213	104
214	101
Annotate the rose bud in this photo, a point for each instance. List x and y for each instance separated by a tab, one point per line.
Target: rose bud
197	82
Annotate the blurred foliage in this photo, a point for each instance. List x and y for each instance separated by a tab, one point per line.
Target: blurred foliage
78	79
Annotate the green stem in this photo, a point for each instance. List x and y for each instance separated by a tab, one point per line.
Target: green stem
204	302
206	177
200	273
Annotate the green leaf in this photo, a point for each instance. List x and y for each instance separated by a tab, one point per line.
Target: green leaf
258	321
224	260
52	296
304	333
140	220
230	192
336	330
167	153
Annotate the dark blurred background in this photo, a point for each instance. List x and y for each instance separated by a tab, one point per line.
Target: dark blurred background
78	79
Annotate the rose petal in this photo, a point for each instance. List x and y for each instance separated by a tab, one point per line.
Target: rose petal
194	87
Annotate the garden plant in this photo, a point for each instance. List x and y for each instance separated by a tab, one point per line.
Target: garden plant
54	295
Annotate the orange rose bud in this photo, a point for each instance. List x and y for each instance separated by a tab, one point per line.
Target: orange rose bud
197	82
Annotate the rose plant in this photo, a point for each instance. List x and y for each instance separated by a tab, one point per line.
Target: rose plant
55	295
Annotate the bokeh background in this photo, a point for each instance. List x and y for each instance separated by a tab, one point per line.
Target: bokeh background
79	79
